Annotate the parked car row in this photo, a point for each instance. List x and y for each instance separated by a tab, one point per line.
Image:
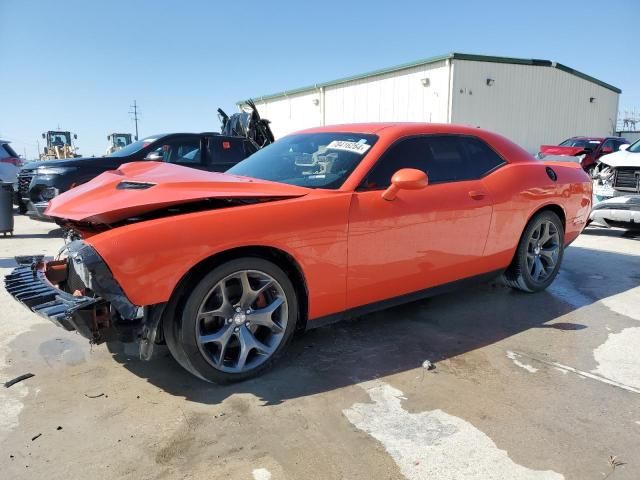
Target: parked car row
617	189
587	150
39	182
614	166
242	134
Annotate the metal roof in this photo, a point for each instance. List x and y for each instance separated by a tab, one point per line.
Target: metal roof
439	58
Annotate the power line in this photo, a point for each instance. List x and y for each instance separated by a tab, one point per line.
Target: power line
135	113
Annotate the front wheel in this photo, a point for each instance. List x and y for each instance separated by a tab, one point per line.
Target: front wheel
539	254
237	320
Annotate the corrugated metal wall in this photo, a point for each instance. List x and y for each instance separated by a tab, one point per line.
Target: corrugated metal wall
531	105
396	96
291	113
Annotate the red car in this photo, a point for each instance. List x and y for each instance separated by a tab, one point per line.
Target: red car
325	223
591	147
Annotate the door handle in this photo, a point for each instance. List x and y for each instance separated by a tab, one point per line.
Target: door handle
477	194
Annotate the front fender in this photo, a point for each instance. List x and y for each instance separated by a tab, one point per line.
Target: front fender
149	258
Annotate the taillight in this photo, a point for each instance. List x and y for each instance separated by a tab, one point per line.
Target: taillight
12	160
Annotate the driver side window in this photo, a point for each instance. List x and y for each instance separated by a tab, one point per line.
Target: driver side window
408	153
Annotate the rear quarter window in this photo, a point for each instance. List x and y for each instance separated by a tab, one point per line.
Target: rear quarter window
482	158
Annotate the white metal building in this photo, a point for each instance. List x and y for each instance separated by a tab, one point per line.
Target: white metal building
532	102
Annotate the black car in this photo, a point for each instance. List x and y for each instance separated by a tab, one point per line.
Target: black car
40	181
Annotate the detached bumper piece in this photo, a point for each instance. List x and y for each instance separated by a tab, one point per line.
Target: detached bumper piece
29	285
77	293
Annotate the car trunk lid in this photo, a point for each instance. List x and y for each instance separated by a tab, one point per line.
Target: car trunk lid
558	150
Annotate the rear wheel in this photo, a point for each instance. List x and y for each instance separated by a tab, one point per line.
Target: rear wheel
236	322
539	254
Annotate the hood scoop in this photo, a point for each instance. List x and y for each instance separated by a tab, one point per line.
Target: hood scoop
129	185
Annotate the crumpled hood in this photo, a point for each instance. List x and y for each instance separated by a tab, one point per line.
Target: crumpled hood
623	158
558	150
141	187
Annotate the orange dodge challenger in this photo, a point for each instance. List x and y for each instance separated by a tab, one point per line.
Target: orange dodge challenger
325	223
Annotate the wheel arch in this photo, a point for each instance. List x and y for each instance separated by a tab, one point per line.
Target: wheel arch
552	207
281	258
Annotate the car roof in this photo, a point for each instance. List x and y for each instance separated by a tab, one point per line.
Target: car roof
391	131
403	129
212	134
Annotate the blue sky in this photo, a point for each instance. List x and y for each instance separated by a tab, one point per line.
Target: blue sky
181	60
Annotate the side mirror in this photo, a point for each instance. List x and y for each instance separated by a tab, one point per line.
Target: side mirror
607	150
75	137
154	157
44	136
405	179
624	147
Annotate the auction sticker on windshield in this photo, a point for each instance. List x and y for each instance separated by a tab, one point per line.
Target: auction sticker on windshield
355	147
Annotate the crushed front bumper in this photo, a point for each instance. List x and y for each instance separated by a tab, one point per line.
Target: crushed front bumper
77	293
29	285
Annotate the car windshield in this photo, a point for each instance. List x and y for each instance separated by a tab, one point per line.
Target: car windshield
634	147
580	142
313	160
133	147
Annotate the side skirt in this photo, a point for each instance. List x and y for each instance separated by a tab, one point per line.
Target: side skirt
402	299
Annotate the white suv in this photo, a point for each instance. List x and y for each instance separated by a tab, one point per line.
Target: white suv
9	163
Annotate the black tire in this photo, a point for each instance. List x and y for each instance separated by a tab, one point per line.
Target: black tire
519	274
181	328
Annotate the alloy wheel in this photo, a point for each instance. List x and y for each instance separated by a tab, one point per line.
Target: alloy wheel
543	251
241	321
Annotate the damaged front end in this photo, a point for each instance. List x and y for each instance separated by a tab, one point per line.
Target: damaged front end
79	293
616	196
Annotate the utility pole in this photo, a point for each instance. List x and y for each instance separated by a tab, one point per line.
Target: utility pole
135	112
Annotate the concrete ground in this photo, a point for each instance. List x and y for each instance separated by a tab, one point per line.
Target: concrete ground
543	386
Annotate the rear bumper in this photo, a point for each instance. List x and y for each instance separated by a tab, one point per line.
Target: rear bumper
77	293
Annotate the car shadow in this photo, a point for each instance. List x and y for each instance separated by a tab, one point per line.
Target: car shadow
402	338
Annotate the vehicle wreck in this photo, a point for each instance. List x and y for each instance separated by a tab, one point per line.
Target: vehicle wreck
589	150
616	189
225	267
